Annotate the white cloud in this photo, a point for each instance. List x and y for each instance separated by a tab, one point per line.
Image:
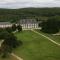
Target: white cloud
43	0
28	3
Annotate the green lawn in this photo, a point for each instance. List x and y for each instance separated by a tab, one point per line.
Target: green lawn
54	37
36	47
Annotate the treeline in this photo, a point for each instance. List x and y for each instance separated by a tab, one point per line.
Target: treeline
52	25
14	15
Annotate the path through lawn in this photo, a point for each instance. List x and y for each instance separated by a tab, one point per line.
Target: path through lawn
36	47
46	37
17	57
12	54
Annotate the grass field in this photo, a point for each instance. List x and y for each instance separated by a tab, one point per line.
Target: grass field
54	37
36	47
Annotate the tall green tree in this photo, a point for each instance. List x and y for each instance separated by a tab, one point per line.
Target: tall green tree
10	42
19	27
51	25
14	27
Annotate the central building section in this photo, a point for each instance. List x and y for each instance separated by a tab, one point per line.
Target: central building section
28	23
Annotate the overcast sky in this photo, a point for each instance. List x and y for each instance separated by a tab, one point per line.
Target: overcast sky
29	3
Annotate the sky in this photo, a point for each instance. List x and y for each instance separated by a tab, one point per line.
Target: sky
28	3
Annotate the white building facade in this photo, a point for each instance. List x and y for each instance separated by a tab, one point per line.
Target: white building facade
28	23
5	24
25	23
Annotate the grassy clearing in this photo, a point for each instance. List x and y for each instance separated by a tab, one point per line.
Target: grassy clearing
54	37
36	47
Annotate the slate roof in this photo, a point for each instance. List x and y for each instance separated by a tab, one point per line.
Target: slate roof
28	21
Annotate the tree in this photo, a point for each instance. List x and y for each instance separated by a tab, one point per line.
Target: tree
10	42
14	27
50	26
19	28
9	29
4	34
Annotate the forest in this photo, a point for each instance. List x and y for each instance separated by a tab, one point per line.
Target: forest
14	15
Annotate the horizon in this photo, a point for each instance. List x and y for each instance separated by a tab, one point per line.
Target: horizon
30	7
16	4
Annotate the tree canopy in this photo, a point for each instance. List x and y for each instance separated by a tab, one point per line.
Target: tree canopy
52	25
13	15
10	42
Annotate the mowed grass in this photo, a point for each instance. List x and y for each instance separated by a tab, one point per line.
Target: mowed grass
54	37
36	47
